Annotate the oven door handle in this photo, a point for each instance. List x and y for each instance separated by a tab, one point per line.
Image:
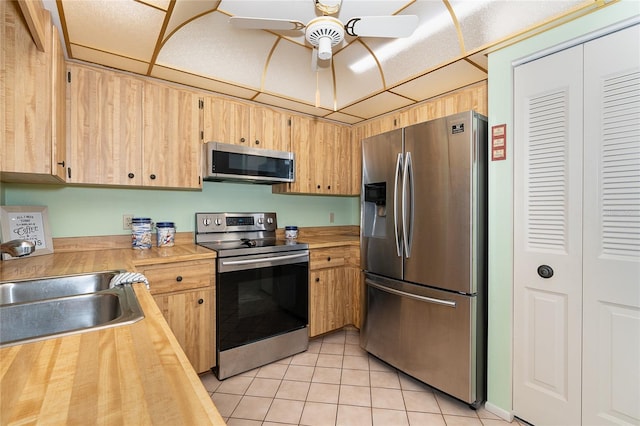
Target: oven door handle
263	259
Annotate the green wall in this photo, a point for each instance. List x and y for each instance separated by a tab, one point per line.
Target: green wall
86	211
501	189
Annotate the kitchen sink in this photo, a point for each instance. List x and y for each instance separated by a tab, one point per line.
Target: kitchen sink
48	288
82	303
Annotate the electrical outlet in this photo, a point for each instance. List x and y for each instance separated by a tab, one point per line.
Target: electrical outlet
332	216
126	221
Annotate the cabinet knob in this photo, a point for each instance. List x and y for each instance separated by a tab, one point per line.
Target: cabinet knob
131	175
152	177
242	139
328	258
319	186
329	187
257	142
61	163
200	301
318	279
179	278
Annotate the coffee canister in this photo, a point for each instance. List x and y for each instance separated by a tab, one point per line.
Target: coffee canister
141	233
165	234
291	232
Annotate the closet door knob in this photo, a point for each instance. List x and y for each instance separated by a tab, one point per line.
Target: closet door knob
545	271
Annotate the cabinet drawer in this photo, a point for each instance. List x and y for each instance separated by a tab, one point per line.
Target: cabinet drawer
327	258
178	276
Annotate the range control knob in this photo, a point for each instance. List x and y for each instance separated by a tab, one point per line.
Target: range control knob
206	221
269	220
260	220
217	221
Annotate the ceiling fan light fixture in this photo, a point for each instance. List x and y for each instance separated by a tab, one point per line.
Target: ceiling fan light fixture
324	33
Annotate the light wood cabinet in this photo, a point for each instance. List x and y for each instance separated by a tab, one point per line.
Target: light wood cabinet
324	156
131	132
32	93
105	143
172	152
185	294
334	289
243	124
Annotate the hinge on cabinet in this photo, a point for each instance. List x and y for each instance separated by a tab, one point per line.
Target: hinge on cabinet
289	122
69	76
200	104
201	135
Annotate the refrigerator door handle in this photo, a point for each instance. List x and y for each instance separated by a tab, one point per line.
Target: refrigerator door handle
449	303
407	222
395	204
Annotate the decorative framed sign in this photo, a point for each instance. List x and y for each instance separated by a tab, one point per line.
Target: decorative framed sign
26	223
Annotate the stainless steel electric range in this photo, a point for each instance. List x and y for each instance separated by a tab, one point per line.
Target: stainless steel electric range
262	283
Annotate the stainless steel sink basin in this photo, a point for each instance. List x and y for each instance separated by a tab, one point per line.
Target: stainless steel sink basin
73	306
48	288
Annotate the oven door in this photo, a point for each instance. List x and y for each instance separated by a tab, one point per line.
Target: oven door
261	296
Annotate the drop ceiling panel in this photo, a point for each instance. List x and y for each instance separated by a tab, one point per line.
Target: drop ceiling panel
184	11
109	60
446	79
201	82
350	85
126	28
289	73
435	41
343	118
160	4
208	46
483	23
291	105
376	105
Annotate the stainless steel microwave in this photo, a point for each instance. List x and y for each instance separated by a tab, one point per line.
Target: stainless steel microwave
226	162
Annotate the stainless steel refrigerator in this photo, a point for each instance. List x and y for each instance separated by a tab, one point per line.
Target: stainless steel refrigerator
423	243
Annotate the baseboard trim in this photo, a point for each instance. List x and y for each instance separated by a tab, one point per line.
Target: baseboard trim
503	414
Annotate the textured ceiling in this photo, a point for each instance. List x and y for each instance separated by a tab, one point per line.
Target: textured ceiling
191	42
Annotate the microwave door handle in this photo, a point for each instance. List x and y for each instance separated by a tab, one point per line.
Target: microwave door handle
407	205
395	204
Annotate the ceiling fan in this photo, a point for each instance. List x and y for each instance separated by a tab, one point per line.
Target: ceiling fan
326	31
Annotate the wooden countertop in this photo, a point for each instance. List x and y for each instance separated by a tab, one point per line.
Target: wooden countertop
132	374
127	375
324	241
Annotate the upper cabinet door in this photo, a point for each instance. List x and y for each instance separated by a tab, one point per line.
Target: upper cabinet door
28	152
270	129
171	147
226	121
105	143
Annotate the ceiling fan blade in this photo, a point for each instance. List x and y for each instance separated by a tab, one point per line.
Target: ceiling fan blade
382	26
265	23
319	64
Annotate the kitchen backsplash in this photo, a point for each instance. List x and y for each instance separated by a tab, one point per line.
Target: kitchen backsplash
86	211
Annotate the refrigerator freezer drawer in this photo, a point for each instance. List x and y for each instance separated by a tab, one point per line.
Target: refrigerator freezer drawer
429	334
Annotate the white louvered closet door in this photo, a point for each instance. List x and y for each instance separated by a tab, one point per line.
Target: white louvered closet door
548	233
577	210
611	355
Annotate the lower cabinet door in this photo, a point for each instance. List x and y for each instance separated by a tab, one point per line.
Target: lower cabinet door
327	301
191	316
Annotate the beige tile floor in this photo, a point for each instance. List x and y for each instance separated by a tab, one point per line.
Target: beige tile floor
336	383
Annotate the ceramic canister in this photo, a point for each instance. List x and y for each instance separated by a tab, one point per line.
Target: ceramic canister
165	234
141	233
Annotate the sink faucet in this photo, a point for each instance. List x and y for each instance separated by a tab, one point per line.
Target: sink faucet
17	248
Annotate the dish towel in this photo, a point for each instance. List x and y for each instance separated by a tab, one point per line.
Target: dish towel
128	278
